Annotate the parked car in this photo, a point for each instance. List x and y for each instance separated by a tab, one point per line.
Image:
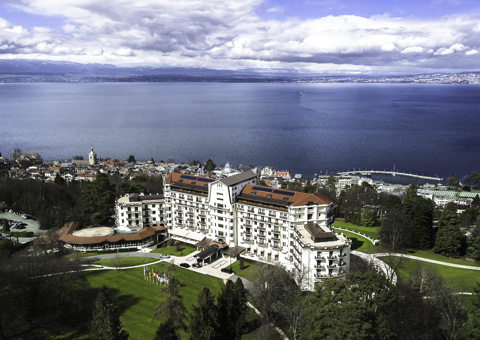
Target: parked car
184	265
227	270
196	265
164	256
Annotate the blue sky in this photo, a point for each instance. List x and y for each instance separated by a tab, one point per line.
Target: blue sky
320	36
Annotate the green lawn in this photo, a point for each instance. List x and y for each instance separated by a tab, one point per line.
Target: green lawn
371	232
462	279
184	250
429	254
124	261
358	242
249	272
137	298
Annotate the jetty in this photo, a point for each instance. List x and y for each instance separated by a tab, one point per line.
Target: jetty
392	173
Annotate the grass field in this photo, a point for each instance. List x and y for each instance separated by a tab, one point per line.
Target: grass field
358	242
137	298
184	250
371	232
462	279
124	261
249	272
429	254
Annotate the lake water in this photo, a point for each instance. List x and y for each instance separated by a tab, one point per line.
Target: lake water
306	128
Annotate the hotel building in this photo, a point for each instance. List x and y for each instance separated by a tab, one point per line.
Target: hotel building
268	225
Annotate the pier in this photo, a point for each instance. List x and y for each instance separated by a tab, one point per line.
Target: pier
392	173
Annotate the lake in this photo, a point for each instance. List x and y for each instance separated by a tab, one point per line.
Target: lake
305	128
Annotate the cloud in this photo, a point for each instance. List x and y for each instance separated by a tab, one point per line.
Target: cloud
452	49
229	34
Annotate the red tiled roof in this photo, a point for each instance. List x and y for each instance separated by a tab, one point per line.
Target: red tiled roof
297	199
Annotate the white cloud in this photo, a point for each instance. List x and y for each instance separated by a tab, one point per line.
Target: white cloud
452	49
413	49
228	34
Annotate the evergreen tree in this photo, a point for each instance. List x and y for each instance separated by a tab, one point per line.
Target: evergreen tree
367	219
476	202
203	324
106	324
58	179
452	181
231	311
473	325
474	178
166	331
5	226
449	236
97	199
209	165
418	213
473	243
131	159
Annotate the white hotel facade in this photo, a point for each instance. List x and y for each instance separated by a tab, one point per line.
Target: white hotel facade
268	225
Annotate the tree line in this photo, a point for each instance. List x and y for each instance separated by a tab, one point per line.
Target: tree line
54	204
366	306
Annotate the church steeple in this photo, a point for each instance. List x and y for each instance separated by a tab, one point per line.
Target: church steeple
92	157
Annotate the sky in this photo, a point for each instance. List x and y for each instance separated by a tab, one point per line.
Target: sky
317	36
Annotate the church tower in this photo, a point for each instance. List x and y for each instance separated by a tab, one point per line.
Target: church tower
92	157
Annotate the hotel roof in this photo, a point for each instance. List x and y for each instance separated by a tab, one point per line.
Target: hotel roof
244	176
281	197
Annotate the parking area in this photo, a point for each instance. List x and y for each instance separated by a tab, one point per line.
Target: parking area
212	269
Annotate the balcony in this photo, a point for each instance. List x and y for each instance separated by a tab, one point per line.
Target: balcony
248	241
277	247
262	245
342	264
332	266
332	257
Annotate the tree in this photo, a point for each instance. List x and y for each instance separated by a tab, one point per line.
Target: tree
5	226
473	242
166	331
97	199
418	212
476	202
368	219
209	165
267	290
231	311
395	232
452	181
331	182
474	178
203	325
171	309
106	323
58	179
473	325
131	159
352	309
449	236
309	187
